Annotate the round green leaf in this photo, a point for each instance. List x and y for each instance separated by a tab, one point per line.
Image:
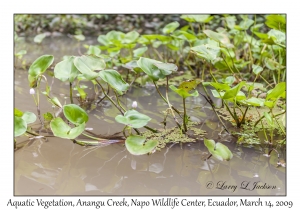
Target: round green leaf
114	79
169	28
75	114
133	118
20	126
136	145
155	69
66	70
79	37
40	65
208	52
62	130
222	38
130	37
256	69
139	51
88	64
39	38
29	117
94	50
219	150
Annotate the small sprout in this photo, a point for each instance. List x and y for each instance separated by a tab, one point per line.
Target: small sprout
32	91
134	104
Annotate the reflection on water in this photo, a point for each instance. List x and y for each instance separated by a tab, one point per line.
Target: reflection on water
60	167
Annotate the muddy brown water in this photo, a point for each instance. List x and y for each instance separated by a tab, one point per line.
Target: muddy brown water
60	167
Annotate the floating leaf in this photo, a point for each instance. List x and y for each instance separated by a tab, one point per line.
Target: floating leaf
39	38
75	114
62	130
88	64
29	117
114	79
66	70
136	145
133	118
20	126
219	150
169	28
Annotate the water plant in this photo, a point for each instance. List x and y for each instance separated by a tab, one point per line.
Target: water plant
238	60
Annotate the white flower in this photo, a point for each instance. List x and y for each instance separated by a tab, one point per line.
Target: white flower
32	91
134	104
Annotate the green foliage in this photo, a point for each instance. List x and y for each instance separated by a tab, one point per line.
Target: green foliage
66	70
88	64
185	87
170	27
20	126
155	69
218	150
133	118
114	79
38	67
136	145
75	114
62	130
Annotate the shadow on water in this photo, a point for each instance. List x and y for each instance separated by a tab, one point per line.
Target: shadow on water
60	167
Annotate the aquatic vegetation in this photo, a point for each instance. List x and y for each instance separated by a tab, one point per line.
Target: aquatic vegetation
236	61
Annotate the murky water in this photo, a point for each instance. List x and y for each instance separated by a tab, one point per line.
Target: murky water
60	167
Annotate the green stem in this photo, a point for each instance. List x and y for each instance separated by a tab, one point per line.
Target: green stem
151	129
165	98
278	123
109	98
71	93
118	101
92	137
184	116
170	107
